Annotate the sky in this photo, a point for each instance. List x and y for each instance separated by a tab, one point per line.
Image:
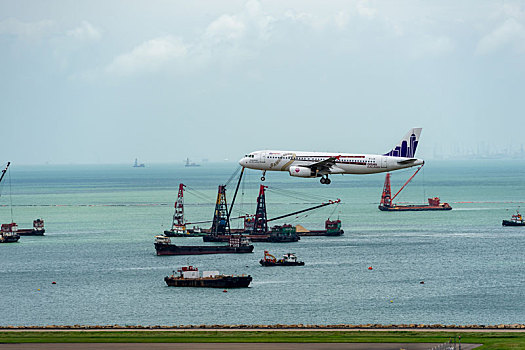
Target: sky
97	82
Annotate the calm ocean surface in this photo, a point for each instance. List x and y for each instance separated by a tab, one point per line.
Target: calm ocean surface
101	221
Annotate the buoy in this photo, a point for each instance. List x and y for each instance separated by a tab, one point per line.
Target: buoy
38	290
53	282
225	291
370	267
391	301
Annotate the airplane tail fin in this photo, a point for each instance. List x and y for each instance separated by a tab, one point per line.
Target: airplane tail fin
407	146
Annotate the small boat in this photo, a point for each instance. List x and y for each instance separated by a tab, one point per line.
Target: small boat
8	233
289	259
189	277
515	220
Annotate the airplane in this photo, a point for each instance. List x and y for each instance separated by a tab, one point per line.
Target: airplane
322	164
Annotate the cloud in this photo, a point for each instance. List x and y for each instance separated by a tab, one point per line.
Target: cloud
226	28
150	56
86	31
510	34
364	10
30	30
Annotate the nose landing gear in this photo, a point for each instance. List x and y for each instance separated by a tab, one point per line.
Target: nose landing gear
262	177
325	180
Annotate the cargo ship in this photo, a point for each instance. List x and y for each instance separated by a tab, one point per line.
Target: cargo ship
9	233
289	259
237	245
37	230
515	220
388	205
189	277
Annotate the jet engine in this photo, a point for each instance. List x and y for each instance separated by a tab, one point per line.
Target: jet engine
301	171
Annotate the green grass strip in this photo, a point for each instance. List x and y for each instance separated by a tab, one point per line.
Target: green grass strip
491	340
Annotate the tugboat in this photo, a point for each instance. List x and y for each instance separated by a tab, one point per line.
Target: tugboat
9	234
237	245
189	277
516	220
37	230
288	259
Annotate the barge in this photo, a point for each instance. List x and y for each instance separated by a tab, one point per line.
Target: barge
37	230
387	204
237	245
189	277
332	228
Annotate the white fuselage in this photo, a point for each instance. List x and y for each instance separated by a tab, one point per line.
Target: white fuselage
345	163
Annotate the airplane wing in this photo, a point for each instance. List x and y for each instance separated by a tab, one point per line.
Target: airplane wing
324	166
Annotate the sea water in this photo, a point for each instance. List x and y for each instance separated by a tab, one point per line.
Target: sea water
101	221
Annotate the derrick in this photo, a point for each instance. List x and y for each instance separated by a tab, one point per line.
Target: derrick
178	224
221	217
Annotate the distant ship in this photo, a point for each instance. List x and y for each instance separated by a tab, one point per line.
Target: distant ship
188	163
137	165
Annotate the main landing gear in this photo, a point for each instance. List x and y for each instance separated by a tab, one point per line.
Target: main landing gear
262	177
325	180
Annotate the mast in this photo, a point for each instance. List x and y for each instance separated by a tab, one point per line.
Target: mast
236	190
386	198
178	217
221	218
261	220
4	171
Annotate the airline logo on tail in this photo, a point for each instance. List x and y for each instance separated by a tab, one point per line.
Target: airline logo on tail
407	146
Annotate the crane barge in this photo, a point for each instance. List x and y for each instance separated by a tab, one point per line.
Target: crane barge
387	199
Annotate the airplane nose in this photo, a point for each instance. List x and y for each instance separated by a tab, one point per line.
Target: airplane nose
242	161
